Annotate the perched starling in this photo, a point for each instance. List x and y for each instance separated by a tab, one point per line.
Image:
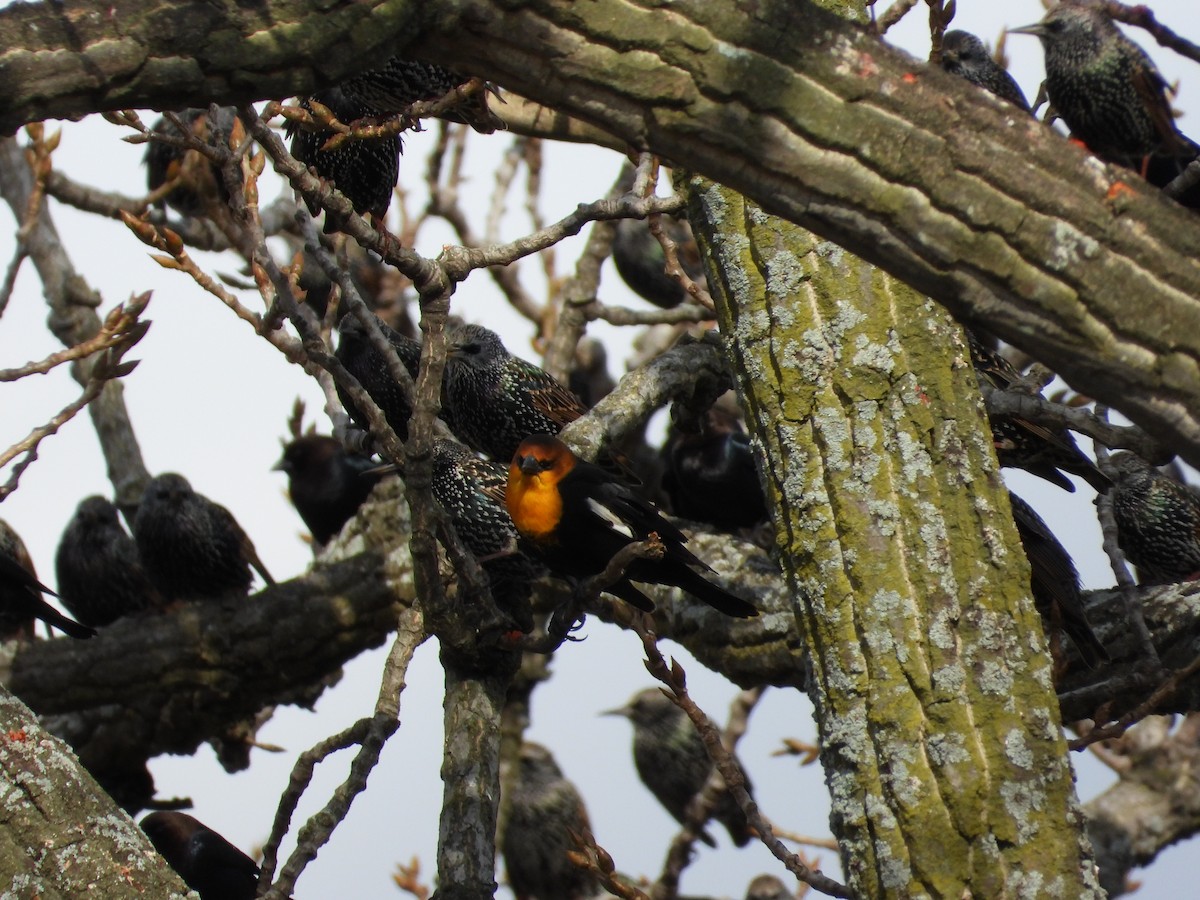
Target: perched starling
1054	582
401	82
201	184
589	379
641	263
21	594
1110	95
1158	522
207	863
100	577
575	517
964	55
544	810
710	472
496	400
365	171
190	546
671	761
1021	444
368	366
768	887
326	484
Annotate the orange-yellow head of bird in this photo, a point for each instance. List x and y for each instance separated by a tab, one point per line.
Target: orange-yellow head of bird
533	498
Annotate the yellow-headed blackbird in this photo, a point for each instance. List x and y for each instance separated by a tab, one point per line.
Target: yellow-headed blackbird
21	593
326	483
575	517
207	863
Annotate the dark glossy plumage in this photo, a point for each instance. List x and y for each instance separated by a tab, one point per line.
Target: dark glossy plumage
1110	94
100	576
1054	582
326	484
370	368
768	887
1158	522
202	184
710	472
21	594
575	517
400	82
207	863
641	263
1022	444
190	546
544	809
964	55
495	400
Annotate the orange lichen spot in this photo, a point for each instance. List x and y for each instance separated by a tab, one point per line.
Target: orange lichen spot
909	78
18	735
1119	189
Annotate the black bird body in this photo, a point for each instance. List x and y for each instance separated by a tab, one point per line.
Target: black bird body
641	262
202	183
366	364
100	576
21	594
400	82
710	472
326	484
574	517
190	546
1054	582
965	55
207	863
671	761
1158	522
544	810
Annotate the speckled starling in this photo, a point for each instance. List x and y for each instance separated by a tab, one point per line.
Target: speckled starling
21	594
710	472
100	577
207	863
544	810
401	82
641	263
365	171
768	887
1158	522
671	761
326	484
201	184
1054	582
1110	94
964	55
369	367
1038	449
190	546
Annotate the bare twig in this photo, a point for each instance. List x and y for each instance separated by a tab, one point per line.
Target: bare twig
1144	709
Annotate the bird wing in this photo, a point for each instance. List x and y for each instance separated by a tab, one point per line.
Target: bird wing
549	397
249	554
1152	88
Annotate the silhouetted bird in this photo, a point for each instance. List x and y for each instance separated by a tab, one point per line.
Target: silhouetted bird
768	887
589	379
544	810
100	577
1158	522
366	364
641	262
190	546
1110	95
1021	444
21	594
575	517
964	55
710	472
201	183
1054	582
671	761
401	82
207	863
326	484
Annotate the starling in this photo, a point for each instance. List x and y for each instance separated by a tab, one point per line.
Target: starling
365	171
21	594
201	184
496	400
545	810
1158	522
671	761
574	517
1110	95
768	887
1054	582
326	484
190	546
964	55
1038	449
589	379
368	366
100	577
207	863
401	82
711	474
641	263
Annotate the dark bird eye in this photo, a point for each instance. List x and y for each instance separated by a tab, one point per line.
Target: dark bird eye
472	348
546	464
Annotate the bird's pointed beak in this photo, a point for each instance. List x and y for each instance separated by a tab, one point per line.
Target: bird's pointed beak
1037	29
529	465
280	466
623	711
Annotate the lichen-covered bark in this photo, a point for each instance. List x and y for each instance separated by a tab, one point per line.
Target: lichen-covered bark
939	726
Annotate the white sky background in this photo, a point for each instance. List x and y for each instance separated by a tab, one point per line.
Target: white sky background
210	400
